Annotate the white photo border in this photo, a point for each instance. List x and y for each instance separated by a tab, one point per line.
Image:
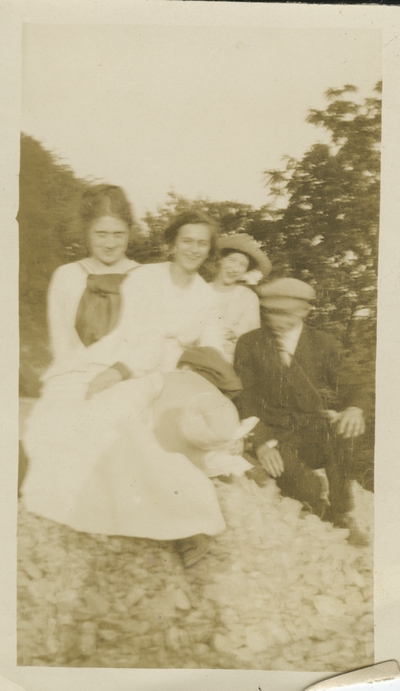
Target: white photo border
387	505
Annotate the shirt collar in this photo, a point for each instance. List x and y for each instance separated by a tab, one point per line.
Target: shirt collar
291	338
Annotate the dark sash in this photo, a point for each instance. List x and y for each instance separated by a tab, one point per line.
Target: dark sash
99	307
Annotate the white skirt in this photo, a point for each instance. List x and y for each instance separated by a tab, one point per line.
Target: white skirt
97	467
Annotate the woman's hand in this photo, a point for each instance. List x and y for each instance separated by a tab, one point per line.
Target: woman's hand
270	459
104	380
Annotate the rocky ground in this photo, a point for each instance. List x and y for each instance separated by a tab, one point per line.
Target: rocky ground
277	591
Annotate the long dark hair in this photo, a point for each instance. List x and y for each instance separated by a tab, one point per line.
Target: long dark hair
193	218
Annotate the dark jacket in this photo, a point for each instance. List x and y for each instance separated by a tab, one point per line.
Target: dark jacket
281	396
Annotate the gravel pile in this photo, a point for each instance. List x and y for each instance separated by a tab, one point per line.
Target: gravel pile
277	591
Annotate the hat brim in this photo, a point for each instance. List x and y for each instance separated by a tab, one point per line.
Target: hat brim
245	244
283	302
246	426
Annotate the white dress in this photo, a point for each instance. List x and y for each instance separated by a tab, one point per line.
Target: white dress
239	309
77	446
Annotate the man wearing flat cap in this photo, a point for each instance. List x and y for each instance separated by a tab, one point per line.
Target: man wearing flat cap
294	381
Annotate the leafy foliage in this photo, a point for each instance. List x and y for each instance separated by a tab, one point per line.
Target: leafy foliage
328	232
48	197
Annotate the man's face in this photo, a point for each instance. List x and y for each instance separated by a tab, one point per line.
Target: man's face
281	320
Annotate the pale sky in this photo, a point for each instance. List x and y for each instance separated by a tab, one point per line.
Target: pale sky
200	110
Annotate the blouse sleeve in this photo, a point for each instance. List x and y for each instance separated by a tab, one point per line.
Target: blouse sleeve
250	313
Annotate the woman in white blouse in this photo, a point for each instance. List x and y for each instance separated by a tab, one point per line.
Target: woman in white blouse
238	305
83	300
95	392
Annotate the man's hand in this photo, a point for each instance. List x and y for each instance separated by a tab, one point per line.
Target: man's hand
104	380
350	423
271	460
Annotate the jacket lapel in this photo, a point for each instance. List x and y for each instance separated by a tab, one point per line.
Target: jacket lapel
298	375
269	348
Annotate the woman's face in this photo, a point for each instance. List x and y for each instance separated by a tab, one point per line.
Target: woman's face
233	267
192	246
108	239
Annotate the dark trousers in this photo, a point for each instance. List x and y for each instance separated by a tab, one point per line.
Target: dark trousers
310	445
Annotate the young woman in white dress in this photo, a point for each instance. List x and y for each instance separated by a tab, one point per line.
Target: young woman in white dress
83	299
238	305
95	464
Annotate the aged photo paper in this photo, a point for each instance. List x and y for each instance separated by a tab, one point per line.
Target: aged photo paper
223	91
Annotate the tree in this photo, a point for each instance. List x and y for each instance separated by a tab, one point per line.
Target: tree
49	193
328	232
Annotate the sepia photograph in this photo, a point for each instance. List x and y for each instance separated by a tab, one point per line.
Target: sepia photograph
198	240
206	286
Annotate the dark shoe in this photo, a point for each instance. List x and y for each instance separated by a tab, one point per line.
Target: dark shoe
259	475
192	549
318	509
356	536
306	510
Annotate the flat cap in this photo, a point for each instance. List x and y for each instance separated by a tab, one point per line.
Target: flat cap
242	242
285	290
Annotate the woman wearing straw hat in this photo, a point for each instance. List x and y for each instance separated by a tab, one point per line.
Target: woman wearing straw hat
238	305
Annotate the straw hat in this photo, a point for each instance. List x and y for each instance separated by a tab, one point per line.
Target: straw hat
210	420
242	242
